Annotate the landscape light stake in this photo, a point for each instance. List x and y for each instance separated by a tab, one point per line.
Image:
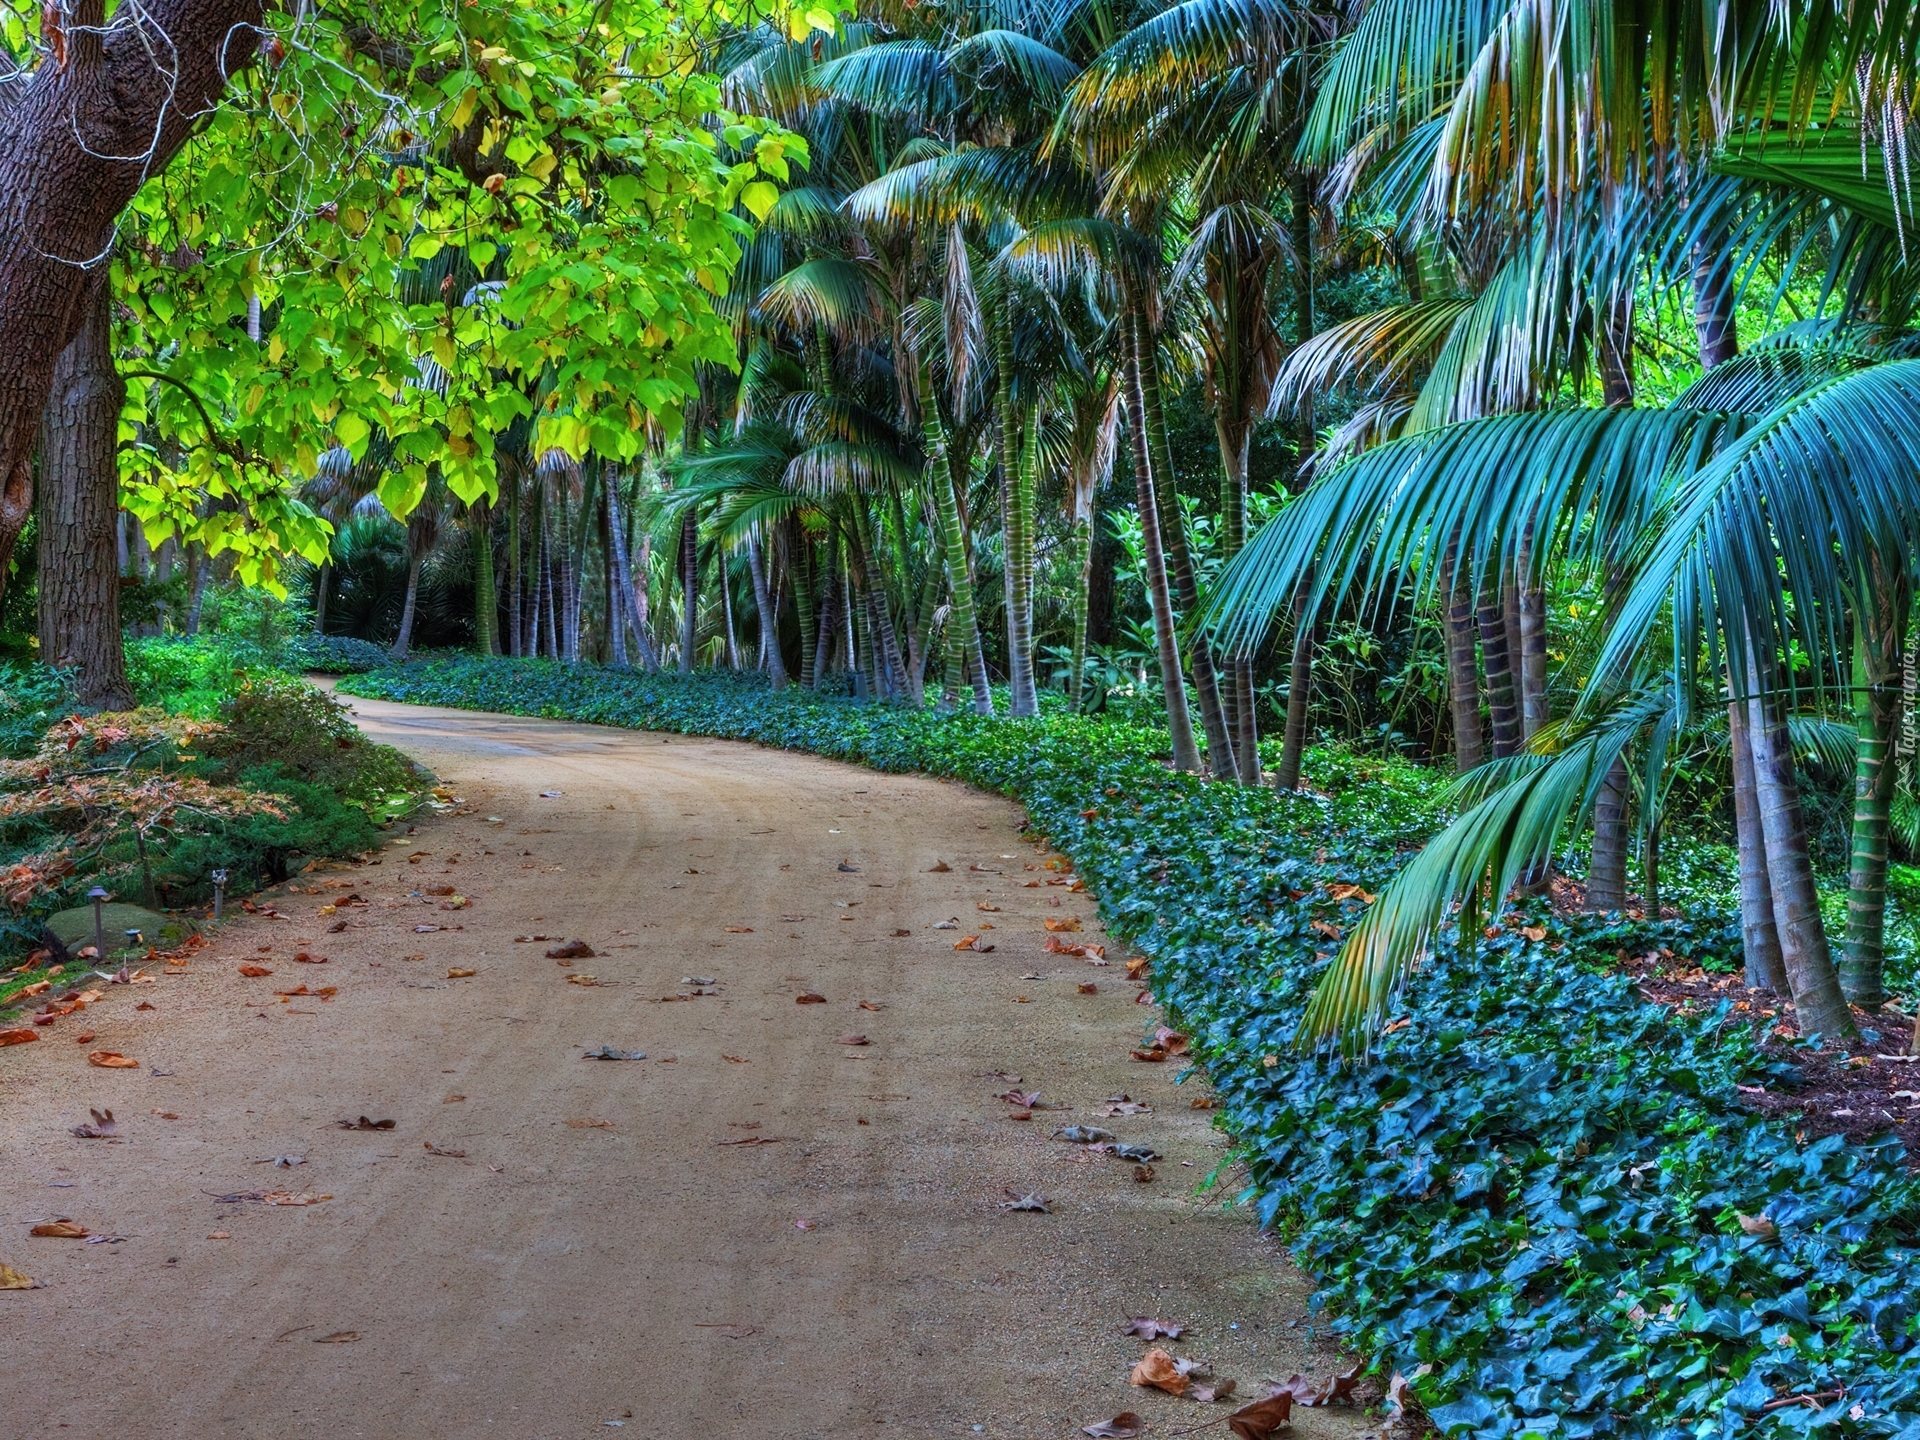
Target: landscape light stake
219	892
99	897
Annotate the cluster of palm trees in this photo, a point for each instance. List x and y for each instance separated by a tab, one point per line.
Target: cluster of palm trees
1023	226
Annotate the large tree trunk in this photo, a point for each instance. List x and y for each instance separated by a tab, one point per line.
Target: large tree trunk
76	142
486	597
79	507
1759	940
1881	629
1819	1006
515	598
1173	535
1607	869
1153	565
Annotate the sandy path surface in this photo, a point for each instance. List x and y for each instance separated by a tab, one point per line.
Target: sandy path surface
598	1254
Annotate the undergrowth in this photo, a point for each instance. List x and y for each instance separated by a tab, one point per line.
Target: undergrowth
1538	1195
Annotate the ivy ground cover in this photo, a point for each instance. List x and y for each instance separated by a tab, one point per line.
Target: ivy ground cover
1538	1196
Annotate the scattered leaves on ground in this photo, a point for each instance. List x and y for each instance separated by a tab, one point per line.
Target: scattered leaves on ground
112	1060
253	971
1017	1201
1124	1426
853	1040
60	1230
1149	1328
433	1149
12	1279
1263	1419
1159	1371
571	950
810	998
363	1123
101	1128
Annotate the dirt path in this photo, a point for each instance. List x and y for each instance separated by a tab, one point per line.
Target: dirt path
599	1254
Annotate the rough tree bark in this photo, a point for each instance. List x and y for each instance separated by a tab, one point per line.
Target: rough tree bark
1463	671
79	498
75	145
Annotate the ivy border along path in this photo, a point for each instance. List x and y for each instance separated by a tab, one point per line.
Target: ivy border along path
1539	1197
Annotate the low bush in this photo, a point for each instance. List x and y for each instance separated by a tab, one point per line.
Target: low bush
1538	1195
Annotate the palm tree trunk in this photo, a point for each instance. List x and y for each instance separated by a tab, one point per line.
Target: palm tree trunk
1173	531
829	627
799	553
1293	739
627	608
516	638
1243	725
726	608
486	599
1463	672
1607	869
1819	1006
946	482
689	590
404	639
923	618
200	565
769	614
613	591
1083	575
1759	940
1154	575
1878	642
1500	694
322	582
1016	518
1533	640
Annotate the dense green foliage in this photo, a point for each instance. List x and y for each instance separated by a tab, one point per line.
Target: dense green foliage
1534	1186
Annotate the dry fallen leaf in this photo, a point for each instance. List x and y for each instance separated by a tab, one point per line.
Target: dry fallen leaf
1158	1370
363	1123
85	1037
1025	1202
253	971
220	1235
338	1337
1262	1420
101	1128
1124	1426
163	1114
1089	988
293	1197
572	950
984	905
1208	1394
739	929
939	867
1062	922
112	1060
1148	1328
853	1040
736	1059
810	998
1758	1226
586	1124
582	979
18	1037
1171	1041
869	1005
459	972
433	1149
61	1230
12	1279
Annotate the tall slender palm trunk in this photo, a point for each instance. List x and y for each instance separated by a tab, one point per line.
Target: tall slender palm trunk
1243	724
1016	518
1502	700
1173	534
1153	567
1293	739
1880	634
486	598
1463	672
1083	576
945	482
1759	940
1819	1005
689	590
404	640
769	615
515	581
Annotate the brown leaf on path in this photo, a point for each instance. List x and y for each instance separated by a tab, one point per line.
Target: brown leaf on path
939	867
60	1230
253	971
433	1149
736	1059
1152	1057
438	890
1171	1041
1143	1173
1124	1426
1340	1387
363	1123
1208	1394
572	950
336	928
751	1140
303	958
1032	1202
18	1037
1021	1099
12	1279
297	990
163	1114
739	929
1263	1419
85	1037
112	1060
1125	1105
338	1337
1200	1102
293	1197
1089	988
1062	922
583	979
101	1128
898	933
1137	968
991	909
220	1235
587	1124
1148	1328
810	998
1158	1370
869	1005
459	972
853	1040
